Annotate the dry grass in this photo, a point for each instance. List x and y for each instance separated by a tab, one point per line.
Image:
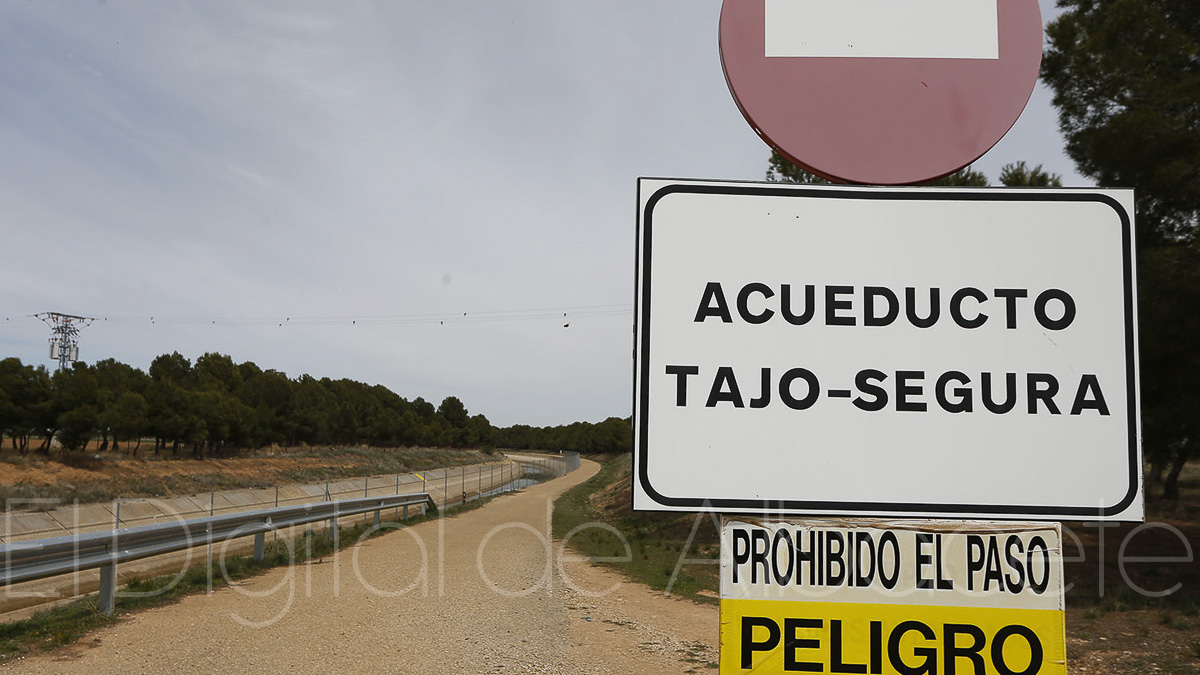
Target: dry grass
99	477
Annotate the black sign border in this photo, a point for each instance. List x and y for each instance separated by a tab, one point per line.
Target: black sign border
914	509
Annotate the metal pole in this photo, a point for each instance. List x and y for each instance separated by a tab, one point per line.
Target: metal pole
276	535
107	601
210	559
333	525
212	505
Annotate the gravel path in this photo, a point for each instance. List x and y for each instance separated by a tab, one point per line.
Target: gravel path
483	592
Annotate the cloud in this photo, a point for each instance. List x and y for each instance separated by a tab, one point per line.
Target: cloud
225	164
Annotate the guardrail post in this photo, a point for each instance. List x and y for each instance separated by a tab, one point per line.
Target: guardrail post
376	523
333	527
108	589
405	512
260	545
208	535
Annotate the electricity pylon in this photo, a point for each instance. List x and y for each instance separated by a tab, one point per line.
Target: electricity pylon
64	343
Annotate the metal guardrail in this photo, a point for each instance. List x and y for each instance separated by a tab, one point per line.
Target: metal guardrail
41	558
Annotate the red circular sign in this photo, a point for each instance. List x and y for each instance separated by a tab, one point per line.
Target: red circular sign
883	92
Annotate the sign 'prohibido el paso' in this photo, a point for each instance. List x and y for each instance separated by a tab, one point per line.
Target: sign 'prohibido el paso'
886	351
892	597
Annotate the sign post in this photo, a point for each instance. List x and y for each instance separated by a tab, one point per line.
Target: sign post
873	352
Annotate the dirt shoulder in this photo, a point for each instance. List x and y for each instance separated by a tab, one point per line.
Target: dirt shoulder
487	591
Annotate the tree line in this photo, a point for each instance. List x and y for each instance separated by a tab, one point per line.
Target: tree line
218	407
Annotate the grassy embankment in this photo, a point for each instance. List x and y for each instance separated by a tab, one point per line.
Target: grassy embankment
658	548
89	477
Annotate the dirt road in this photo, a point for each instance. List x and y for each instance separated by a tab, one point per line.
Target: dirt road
483	592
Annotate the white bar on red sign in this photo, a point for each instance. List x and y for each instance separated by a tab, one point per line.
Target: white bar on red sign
908	29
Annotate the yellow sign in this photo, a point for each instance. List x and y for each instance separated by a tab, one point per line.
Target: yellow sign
892	598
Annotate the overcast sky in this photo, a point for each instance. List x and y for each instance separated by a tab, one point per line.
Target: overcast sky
433	195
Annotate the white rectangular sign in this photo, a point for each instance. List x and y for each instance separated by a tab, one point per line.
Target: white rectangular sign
929	352
914	29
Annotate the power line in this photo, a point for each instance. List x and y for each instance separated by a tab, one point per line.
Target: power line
440	318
